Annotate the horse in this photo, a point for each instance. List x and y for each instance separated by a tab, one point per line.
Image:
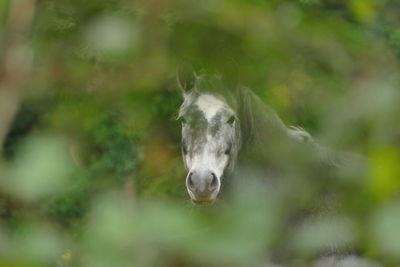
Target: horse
219	125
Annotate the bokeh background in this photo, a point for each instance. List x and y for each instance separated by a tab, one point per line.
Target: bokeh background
90	170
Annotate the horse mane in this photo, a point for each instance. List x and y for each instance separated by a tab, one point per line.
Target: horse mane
258	121
260	124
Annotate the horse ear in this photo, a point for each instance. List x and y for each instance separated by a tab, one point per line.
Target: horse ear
186	78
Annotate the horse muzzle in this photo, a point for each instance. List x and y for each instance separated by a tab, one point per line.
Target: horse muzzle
203	186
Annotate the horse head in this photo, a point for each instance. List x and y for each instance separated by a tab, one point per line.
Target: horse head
210	139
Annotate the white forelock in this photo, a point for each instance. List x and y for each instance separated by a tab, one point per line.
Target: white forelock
210	105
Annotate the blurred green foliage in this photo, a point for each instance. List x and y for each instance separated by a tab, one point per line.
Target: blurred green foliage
91	172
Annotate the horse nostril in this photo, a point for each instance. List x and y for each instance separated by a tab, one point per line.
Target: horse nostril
214	182
190	182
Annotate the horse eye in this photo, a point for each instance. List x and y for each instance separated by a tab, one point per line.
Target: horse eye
231	120
228	150
184	147
182	119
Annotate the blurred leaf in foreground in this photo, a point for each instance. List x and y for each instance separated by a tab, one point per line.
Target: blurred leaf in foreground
324	234
385	229
41	168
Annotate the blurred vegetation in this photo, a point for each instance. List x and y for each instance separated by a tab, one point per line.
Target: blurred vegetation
91	173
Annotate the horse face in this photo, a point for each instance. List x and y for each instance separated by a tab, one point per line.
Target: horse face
209	144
